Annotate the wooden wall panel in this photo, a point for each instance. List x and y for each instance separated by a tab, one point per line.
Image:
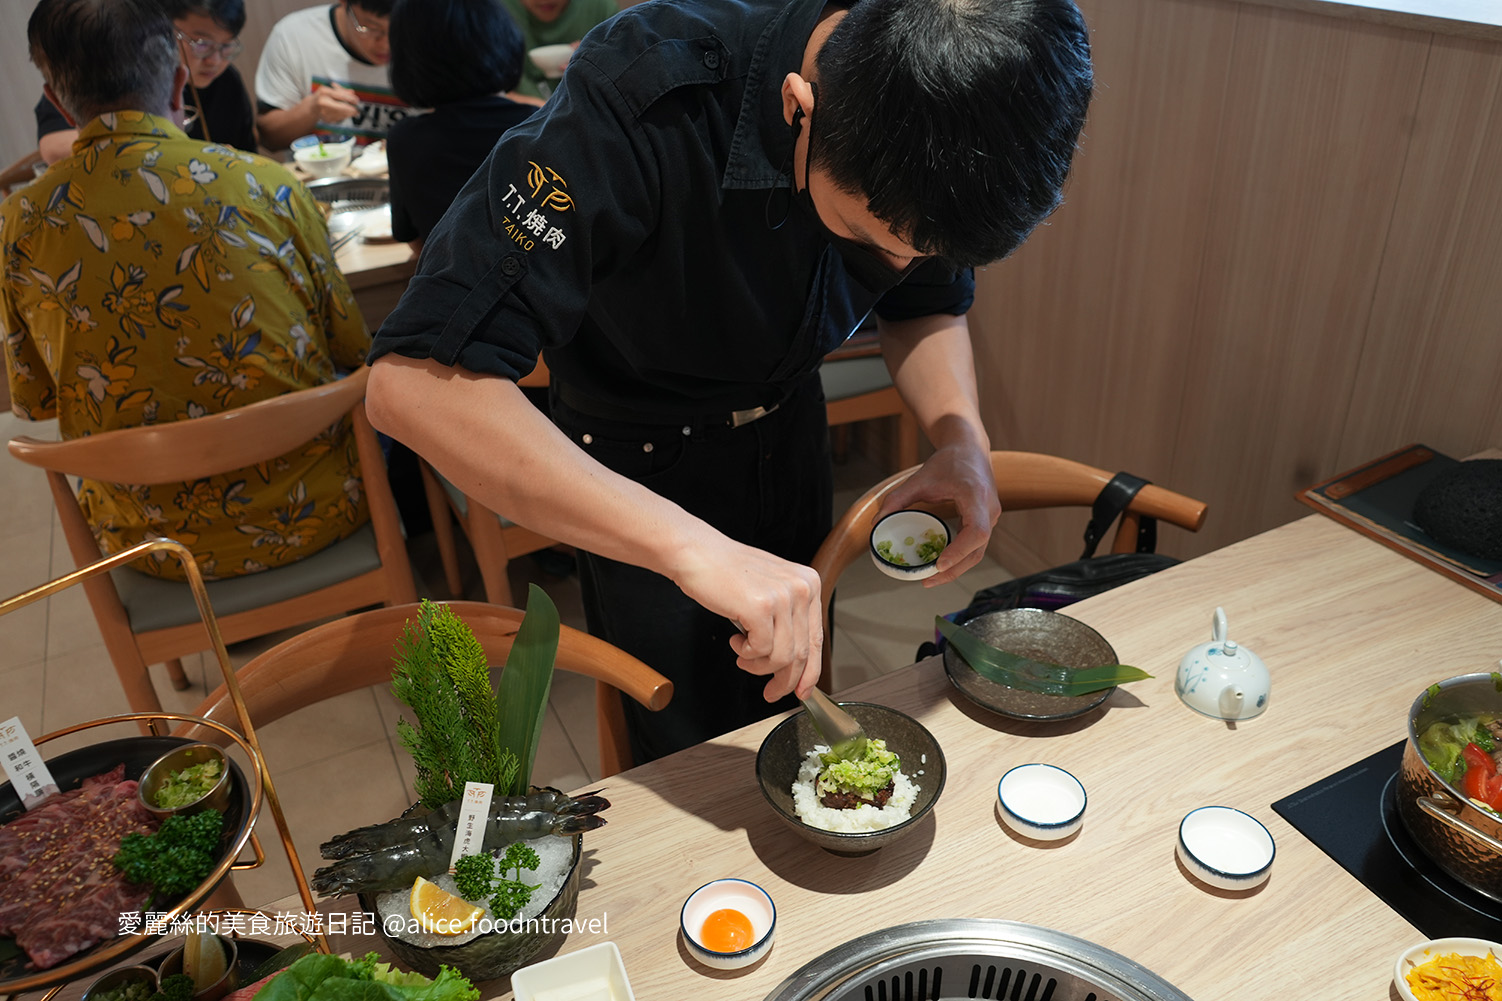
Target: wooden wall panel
1080	335
1432	368
20	83
1313	137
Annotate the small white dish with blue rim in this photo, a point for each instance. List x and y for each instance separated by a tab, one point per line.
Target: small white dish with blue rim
906	545
1225	848
1040	801
734	894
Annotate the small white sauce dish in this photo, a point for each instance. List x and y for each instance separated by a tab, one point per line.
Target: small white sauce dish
1225	848
595	972
737	894
322	159
1041	801
900	534
1425	951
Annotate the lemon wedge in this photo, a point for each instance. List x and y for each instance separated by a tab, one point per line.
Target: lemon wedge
440	912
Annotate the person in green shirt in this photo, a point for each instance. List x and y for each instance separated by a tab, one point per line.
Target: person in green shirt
553	22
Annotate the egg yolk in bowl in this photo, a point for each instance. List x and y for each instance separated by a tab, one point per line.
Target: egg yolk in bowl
726	930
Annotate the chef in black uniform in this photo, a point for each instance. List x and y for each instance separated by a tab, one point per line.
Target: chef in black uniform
716	196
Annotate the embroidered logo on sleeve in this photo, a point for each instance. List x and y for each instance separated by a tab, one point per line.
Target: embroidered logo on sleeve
537	214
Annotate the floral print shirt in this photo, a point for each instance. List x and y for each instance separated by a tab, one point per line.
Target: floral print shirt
150	277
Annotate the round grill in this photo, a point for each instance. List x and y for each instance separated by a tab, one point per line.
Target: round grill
973	958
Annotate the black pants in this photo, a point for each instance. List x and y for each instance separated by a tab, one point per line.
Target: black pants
767	484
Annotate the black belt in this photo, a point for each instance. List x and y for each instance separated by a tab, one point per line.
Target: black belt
601	410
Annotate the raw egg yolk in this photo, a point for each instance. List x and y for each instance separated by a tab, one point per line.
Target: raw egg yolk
726	930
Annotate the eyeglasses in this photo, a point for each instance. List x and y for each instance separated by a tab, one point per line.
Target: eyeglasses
374	34
202	48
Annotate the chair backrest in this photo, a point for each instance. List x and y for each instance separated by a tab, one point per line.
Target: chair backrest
355	652
1024	481
191	449
203	446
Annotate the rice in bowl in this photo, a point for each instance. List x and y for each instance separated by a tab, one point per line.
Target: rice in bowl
898	808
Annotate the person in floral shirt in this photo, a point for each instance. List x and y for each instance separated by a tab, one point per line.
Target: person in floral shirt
150	277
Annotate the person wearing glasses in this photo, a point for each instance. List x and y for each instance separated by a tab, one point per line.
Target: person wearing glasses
715	196
324	70
217	102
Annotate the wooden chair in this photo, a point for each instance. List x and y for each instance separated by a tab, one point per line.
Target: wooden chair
1024	481
355	652
495	540
858	387
148	620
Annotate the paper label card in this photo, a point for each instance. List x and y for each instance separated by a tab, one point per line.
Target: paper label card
474	811
24	767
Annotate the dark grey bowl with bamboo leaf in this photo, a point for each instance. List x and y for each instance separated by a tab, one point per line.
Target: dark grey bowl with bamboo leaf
464	730
1032	664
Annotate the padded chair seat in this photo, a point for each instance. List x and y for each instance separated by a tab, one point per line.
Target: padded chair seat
157	603
847	377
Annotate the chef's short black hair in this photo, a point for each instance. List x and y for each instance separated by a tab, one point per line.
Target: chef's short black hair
452	50
956	119
104	55
228	14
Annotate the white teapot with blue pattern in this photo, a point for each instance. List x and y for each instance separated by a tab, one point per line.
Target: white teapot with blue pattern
1222	679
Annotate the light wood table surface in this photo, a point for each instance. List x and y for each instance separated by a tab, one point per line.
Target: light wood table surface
1351	633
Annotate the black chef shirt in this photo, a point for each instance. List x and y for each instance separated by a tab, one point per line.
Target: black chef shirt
627	229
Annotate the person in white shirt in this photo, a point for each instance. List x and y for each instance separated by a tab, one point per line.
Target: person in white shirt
324	70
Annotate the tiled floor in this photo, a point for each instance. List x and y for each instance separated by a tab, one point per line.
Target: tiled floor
337	765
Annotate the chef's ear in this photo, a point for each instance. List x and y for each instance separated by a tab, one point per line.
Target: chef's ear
797	96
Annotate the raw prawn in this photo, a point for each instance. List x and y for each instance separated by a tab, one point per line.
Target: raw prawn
390	856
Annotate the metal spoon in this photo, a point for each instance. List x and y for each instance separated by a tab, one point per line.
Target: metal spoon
847	739
845	736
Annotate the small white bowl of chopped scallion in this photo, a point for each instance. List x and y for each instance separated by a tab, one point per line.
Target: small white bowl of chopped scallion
906	544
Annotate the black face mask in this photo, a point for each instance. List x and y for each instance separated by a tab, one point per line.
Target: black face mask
869	269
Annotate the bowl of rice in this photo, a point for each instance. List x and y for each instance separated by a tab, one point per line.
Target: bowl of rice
788	767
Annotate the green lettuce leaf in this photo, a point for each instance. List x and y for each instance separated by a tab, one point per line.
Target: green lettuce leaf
317	977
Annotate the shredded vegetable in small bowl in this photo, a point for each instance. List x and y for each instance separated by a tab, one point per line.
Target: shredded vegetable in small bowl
1450	969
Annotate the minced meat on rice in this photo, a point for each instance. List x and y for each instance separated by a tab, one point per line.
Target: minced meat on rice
899	806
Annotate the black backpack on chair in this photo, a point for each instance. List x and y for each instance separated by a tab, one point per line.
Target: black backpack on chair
1087	576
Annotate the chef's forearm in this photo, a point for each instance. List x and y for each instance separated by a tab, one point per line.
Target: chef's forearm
933	368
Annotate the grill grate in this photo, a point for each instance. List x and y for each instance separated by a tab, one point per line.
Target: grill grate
972	958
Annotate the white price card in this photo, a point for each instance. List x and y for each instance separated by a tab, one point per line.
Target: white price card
24	767
474	811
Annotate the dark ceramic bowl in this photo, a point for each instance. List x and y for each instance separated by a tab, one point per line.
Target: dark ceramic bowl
497	954
783	751
1038	635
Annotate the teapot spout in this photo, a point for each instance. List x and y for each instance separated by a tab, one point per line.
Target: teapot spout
1231	701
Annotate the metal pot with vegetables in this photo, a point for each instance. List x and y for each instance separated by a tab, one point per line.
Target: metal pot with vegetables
1450	785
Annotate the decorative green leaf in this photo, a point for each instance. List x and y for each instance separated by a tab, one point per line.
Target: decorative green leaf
1032	675
525	682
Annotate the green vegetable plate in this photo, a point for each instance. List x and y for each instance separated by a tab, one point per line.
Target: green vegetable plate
69	769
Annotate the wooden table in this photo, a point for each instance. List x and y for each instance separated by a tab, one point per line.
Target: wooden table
1351	632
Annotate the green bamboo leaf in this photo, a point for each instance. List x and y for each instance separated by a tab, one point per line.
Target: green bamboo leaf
524	686
1029	675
